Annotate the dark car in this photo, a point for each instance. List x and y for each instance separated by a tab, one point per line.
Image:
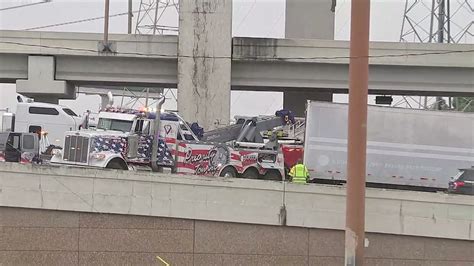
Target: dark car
463	182
17	146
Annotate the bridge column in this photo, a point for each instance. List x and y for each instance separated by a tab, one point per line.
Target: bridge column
204	61
308	19
41	84
296	101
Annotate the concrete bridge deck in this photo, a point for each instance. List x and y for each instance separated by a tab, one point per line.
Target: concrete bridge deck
257	64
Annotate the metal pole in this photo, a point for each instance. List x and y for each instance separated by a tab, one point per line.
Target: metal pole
448	17
357	132
130	15
155	21
146	98
106	23
431	20
156	135
441	16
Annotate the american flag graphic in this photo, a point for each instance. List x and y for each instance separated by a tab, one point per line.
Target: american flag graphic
110	143
119	145
164	155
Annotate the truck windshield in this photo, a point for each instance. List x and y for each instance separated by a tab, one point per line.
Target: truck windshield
113	124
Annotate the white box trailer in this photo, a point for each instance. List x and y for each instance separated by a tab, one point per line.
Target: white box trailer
405	147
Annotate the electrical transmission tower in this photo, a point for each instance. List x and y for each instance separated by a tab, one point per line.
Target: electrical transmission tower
151	20
437	21
151	15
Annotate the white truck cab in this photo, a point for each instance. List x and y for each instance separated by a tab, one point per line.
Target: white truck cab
36	117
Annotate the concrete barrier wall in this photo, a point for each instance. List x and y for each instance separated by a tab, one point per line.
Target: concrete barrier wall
45	237
435	215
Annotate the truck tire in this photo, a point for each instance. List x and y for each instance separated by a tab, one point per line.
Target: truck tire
229	171
117	164
272	175
251	173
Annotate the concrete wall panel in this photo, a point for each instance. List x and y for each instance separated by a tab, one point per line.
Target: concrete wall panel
50	258
111	221
32	238
133	258
38	218
136	240
326	243
212	237
103	239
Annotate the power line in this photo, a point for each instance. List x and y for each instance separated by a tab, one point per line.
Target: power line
244	57
170	28
25	5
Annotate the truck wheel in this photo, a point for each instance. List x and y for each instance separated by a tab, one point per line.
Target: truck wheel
272	175
229	172
251	173
117	164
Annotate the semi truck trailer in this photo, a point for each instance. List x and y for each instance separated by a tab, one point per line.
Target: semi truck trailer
405	147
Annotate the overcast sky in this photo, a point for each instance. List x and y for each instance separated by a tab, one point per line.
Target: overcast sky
255	18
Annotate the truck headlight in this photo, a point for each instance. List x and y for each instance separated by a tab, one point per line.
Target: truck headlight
98	156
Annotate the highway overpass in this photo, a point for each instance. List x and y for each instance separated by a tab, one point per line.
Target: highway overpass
51	214
257	64
50	65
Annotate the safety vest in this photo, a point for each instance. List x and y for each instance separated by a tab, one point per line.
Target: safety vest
299	173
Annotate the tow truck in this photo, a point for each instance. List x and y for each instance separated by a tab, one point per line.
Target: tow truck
123	139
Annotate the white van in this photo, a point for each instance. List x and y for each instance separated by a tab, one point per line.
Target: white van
36	117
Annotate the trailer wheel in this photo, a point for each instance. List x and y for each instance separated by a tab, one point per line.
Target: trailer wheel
272	175
251	173
117	164
229	171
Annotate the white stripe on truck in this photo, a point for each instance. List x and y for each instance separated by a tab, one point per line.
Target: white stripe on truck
398	153
396	145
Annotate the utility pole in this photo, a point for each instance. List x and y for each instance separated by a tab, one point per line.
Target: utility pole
106	23
130	15
357	133
105	45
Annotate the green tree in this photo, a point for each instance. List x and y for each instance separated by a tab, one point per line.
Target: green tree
463	104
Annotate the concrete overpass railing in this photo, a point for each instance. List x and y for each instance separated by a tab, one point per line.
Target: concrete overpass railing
409	213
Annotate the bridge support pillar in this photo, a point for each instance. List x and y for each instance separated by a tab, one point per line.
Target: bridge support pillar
41	84
308	19
204	61
296	101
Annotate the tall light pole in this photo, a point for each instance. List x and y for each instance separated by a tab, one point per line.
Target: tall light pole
130	16
357	132
106	23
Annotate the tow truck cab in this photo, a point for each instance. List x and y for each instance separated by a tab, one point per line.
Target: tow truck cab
121	140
